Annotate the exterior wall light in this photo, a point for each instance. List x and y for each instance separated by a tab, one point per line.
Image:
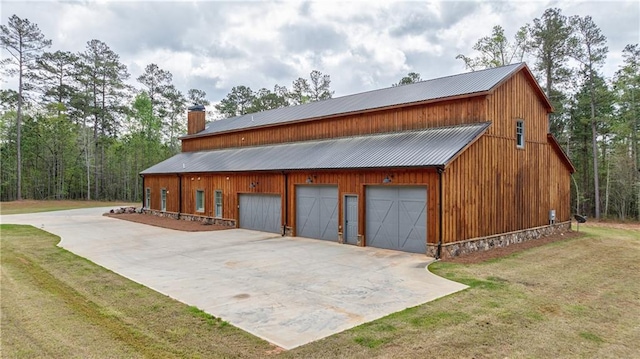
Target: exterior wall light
386	180
309	179
253	184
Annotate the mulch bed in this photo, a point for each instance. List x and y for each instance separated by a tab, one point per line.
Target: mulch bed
166	222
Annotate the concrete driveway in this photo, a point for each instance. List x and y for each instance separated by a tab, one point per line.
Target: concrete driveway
288	291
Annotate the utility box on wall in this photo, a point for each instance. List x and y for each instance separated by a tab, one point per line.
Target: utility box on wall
552	216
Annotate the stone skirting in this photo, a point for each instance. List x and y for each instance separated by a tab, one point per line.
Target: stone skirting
496	241
190	217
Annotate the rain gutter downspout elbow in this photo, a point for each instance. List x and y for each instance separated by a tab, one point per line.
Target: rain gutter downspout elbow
440	213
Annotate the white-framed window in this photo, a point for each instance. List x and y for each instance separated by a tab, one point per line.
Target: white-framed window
147	198
218	203
163	200
520	134
199	200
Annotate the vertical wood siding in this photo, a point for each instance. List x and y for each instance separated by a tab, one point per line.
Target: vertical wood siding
445	113
231	185
348	182
195	122
168	182
495	187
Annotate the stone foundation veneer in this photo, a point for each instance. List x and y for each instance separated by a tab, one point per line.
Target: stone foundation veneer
496	241
231	223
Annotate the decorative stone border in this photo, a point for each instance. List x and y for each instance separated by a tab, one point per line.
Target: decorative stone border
500	240
231	223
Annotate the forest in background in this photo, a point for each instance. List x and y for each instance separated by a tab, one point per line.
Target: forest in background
76	129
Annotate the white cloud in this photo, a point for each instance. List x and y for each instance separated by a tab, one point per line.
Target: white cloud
363	45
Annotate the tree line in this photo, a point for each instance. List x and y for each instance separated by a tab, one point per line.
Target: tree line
75	128
80	131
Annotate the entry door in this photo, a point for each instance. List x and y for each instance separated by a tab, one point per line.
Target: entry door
317	212
351	219
396	218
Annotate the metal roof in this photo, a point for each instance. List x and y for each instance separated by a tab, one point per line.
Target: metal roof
424	148
456	85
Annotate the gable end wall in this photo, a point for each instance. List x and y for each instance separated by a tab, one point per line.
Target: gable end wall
495	187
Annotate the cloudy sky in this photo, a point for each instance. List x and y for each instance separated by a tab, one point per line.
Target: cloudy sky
362	45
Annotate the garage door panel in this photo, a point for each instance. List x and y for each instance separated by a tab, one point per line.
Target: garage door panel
317	212
261	212
396	218
329	214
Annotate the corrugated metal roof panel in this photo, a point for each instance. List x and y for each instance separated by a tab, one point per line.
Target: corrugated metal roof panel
456	85
423	148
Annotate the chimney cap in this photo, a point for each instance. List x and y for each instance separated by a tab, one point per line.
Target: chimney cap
196	108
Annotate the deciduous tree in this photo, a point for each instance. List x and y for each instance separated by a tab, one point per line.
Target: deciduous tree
411	78
496	50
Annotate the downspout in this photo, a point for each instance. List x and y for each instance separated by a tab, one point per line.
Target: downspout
286	202
179	194
144	193
440	210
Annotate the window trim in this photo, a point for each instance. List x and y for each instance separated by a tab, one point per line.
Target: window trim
147	198
201	193
163	200
520	133
217	203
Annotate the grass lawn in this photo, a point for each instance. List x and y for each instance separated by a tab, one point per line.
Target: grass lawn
55	304
575	298
31	206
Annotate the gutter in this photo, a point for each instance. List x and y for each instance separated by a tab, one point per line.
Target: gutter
440	210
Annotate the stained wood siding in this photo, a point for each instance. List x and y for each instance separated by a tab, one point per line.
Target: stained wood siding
516	100
354	183
348	182
495	187
195	122
231	185
560	183
455	112
168	182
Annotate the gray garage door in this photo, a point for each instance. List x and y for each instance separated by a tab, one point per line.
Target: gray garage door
261	212
396	218
317	212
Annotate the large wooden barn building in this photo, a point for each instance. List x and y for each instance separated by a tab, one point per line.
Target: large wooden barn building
441	167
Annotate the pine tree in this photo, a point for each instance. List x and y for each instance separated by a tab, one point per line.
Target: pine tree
24	42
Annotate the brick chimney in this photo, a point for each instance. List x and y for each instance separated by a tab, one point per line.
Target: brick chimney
195	119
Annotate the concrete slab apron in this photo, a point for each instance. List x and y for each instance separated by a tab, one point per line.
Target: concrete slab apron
288	291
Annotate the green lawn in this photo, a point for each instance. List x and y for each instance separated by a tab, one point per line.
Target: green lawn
31	206
575	298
